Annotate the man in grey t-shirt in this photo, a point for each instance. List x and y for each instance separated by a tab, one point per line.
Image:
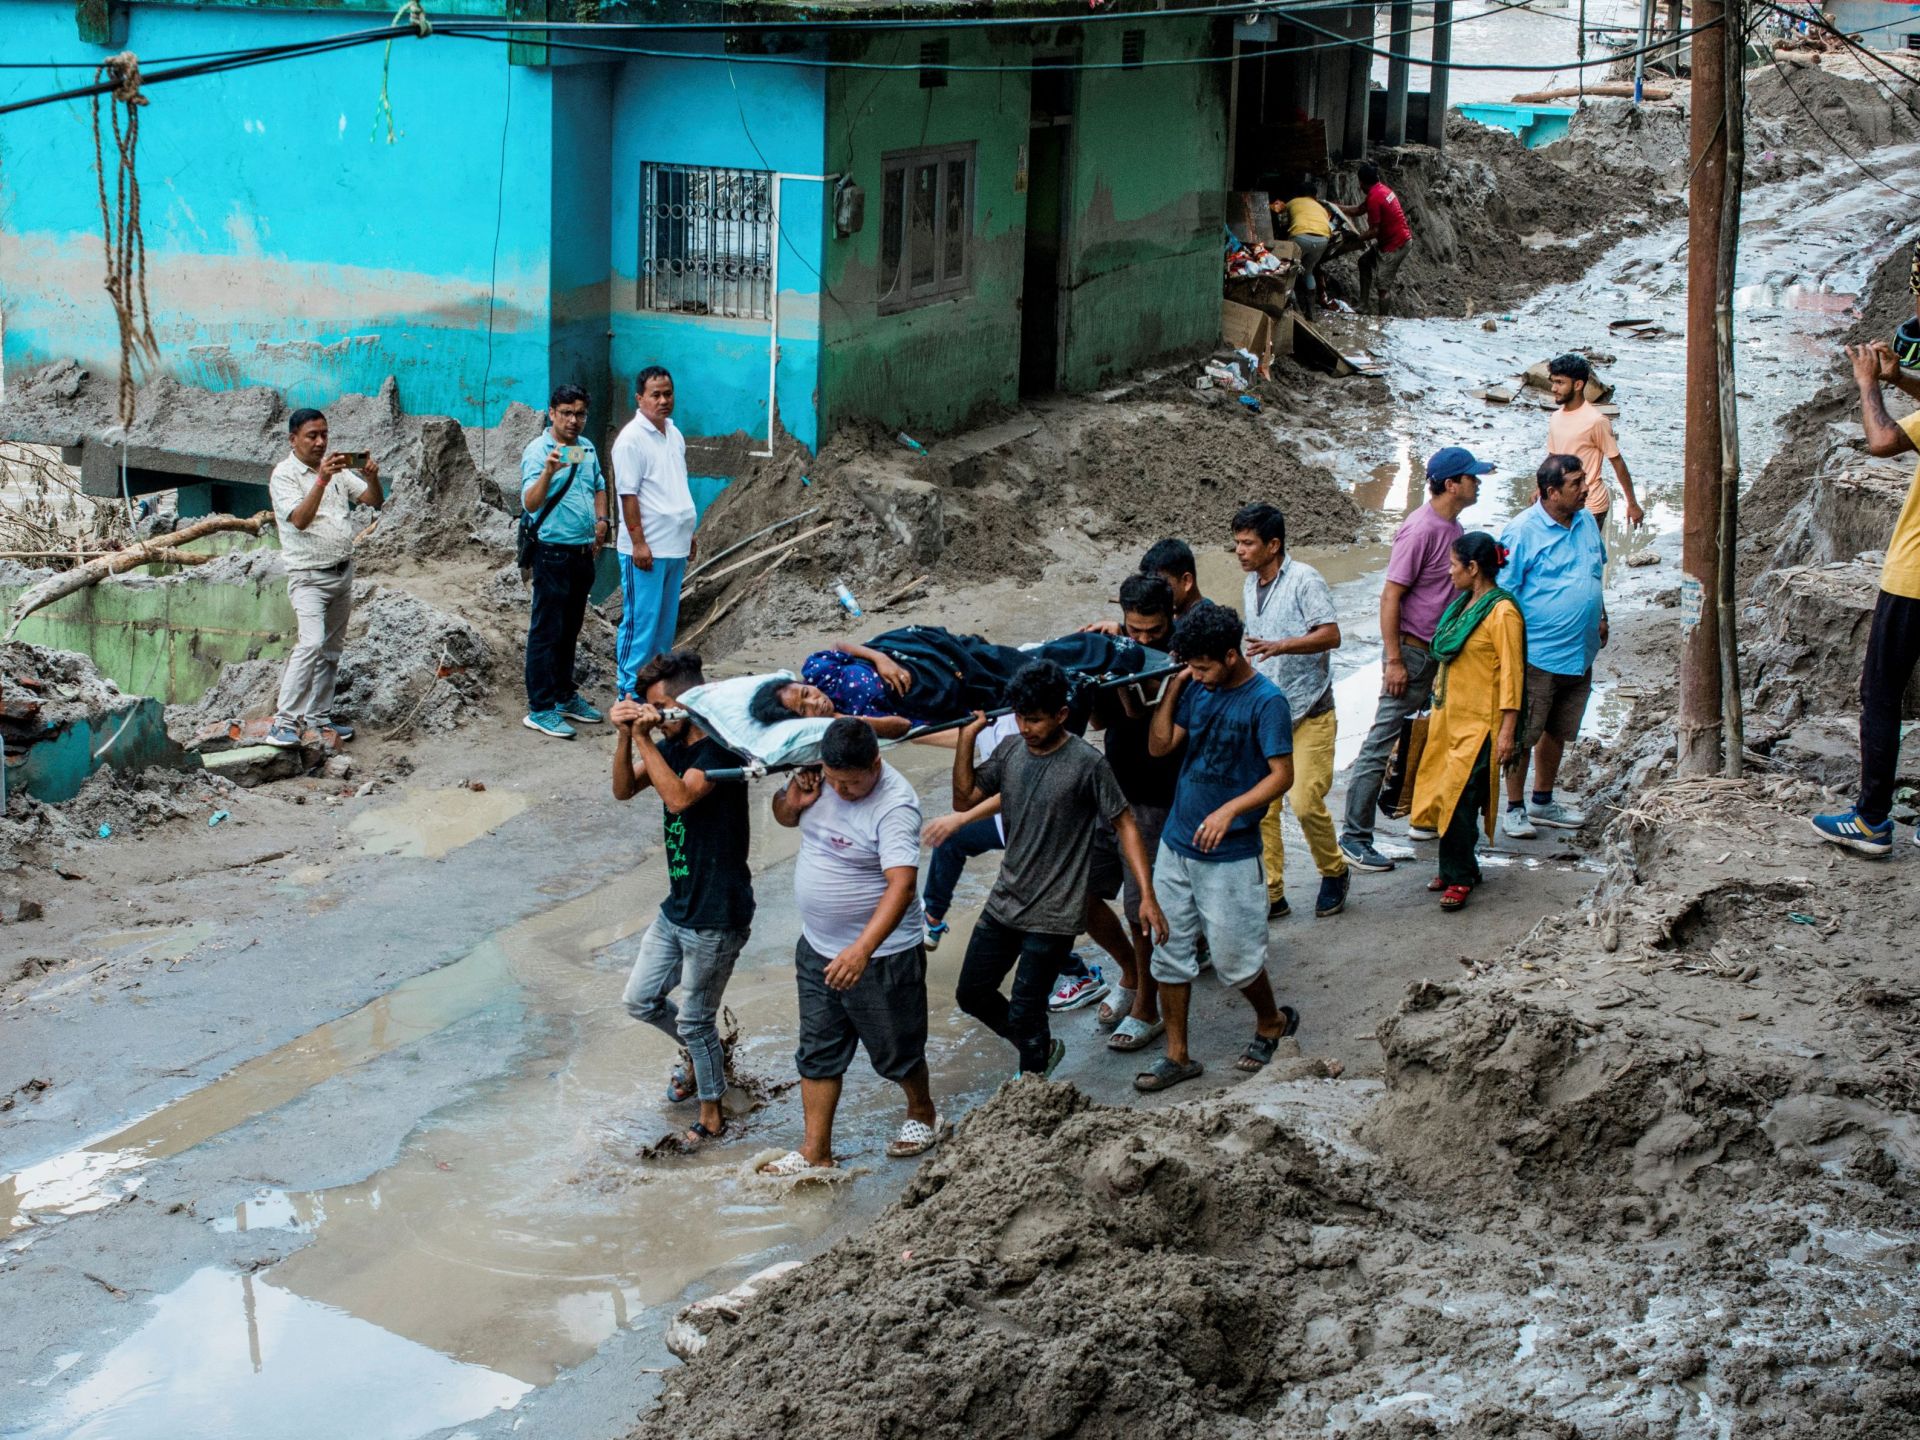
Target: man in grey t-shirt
1053	789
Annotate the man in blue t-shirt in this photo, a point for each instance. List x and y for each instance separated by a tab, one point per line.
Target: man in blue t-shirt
562	488
1208	872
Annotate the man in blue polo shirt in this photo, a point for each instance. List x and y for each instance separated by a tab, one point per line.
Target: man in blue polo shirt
561	485
1555	563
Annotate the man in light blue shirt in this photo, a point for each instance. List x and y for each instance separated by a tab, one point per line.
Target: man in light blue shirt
1554	568
563	495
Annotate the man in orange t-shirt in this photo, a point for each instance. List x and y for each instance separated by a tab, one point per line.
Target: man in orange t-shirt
1578	428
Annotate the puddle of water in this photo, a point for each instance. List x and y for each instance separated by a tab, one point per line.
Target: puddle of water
274	1210
228	1354
151	942
430	823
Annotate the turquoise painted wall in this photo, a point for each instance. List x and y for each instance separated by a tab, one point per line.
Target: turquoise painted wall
288	243
689	112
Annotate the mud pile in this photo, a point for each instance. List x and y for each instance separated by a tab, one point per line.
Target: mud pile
120	803
1005	501
1641	1171
1807	108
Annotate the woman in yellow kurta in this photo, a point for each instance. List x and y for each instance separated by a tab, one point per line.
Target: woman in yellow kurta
1481	644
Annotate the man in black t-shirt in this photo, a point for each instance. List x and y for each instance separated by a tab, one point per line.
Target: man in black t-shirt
703	925
1132	1011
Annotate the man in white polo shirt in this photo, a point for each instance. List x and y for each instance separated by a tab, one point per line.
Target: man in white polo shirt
313	494
656	524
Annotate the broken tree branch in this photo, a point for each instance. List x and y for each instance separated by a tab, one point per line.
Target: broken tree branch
160	547
1617	90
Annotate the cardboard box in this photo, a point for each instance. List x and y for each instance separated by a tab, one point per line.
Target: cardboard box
1245	328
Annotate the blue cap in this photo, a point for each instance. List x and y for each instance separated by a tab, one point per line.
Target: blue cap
1455	461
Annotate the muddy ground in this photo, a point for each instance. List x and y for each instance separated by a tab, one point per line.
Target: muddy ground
340	1087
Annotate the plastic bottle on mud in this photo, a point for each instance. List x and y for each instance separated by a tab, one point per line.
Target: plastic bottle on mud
845	597
911	443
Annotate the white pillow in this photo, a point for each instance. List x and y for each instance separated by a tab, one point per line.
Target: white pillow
721	709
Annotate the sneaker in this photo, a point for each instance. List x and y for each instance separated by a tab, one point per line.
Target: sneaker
1558	816
283	737
936	932
1362	856
1054	1057
1074	991
1515	825
1856	834
549	722
578	709
342	729
1278	909
1333	894
1420	832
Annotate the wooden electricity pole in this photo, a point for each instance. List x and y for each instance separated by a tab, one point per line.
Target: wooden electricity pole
1734	33
1699	726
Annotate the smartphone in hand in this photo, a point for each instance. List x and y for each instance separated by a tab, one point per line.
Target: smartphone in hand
356	459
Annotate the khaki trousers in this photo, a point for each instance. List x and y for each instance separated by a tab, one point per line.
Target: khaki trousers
1312	779
322	603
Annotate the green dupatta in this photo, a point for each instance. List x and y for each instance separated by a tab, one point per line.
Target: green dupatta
1458	621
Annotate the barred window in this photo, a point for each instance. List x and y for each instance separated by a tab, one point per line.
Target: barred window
926	225
706	241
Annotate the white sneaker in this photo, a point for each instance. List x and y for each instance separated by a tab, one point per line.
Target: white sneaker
1558	816
1515	825
1420	832
1073	991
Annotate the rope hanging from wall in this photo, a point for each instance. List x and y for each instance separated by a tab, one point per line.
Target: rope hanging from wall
120	232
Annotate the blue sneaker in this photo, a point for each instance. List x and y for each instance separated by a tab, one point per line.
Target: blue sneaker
1856	834
1333	894
580	710
283	737
342	729
550	722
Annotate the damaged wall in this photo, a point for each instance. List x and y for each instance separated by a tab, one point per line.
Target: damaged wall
289	244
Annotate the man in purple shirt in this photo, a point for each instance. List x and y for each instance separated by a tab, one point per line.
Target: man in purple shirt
1417	590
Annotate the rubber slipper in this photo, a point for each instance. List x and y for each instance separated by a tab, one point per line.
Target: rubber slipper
790	1166
1258	1053
680	1084
1164	1074
1135	1034
1114	1008
915	1137
698	1134
1455	897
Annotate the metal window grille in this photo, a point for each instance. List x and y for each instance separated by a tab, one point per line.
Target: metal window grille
1133	48
706	238
933	55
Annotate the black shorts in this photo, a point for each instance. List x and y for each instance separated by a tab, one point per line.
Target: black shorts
1110	875
886	1011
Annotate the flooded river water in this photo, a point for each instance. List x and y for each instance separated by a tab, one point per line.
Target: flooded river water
514	1234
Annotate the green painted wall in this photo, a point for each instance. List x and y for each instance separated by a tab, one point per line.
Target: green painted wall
935	367
1148	183
166	640
1146	171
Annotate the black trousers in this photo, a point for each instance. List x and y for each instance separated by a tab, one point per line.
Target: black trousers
562	580
1893	649
1458	864
1035	960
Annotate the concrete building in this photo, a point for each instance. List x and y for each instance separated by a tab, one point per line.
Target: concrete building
1879	24
912	223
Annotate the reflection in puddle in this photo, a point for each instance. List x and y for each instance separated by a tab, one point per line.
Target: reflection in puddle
151	942
275	1210
432	823
230	1355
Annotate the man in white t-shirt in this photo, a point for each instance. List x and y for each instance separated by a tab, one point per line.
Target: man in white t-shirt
656	523
313	495
860	965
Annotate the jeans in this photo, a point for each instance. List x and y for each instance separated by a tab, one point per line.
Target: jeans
322	603
1369	767
1893	649
649	613
1035	960
978	837
1313	249
1312	777
699	962
562	580
1458	866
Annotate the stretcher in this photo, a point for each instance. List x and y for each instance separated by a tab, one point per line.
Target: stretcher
720	709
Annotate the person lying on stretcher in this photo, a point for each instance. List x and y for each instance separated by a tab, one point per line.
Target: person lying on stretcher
925	674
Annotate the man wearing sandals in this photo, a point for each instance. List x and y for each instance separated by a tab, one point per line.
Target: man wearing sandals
703	925
860	964
1209	874
1054	789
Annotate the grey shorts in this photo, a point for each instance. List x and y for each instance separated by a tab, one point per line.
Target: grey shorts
1555	705
1110	875
886	1011
1383	266
1225	900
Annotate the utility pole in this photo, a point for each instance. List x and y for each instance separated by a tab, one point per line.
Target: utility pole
1732	708
1698	730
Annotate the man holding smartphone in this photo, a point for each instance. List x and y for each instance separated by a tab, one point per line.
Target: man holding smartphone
563	496
313	495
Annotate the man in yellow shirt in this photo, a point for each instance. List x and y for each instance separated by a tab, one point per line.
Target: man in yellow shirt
1893	644
1304	221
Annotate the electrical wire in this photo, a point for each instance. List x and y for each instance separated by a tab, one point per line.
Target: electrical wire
1834	140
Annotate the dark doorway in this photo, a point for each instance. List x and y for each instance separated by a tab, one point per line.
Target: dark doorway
1049	137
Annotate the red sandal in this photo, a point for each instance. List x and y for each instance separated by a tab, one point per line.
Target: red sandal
1455	896
1436	884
